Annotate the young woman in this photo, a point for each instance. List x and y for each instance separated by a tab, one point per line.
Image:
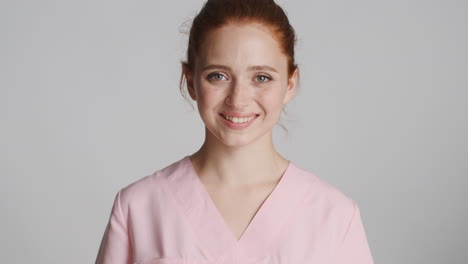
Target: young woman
236	200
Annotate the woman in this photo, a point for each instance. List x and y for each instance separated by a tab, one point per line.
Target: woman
236	200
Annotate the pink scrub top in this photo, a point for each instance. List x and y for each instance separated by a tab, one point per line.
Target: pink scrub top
168	217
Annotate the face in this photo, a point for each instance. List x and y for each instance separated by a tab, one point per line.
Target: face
240	71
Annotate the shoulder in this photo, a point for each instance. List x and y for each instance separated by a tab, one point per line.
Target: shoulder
335	208
322	193
149	188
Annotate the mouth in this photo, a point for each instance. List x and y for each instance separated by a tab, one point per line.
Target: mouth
239	120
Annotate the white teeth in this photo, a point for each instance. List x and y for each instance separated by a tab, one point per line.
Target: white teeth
239	119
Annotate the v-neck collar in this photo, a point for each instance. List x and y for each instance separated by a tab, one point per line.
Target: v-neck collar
218	214
210	229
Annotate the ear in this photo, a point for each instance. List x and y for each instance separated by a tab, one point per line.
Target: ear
190	85
292	83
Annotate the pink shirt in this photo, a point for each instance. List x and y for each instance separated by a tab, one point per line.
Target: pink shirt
169	218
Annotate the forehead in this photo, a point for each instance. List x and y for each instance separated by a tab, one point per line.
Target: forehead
241	45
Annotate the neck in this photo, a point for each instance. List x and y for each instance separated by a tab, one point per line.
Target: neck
255	163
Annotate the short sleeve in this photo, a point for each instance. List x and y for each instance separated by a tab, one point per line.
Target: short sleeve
354	247
115	245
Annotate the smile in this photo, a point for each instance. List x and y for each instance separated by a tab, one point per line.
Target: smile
238	122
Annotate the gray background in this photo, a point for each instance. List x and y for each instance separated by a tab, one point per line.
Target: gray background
90	103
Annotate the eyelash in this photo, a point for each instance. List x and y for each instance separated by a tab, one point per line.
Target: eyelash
269	78
262	75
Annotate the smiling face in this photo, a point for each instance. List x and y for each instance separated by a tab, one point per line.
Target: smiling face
240	71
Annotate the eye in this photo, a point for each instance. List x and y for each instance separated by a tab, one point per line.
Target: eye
215	76
263	78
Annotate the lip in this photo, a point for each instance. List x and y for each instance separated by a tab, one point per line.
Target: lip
238	126
238	114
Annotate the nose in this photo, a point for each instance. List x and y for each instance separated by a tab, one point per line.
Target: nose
238	95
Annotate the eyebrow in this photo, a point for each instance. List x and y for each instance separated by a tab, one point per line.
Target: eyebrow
251	68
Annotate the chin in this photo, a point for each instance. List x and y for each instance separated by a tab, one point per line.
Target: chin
235	141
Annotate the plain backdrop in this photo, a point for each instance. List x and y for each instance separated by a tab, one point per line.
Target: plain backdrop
90	103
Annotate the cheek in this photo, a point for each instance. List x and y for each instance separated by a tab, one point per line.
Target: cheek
209	96
271	100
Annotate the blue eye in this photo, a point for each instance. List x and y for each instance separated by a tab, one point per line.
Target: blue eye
265	79
210	76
